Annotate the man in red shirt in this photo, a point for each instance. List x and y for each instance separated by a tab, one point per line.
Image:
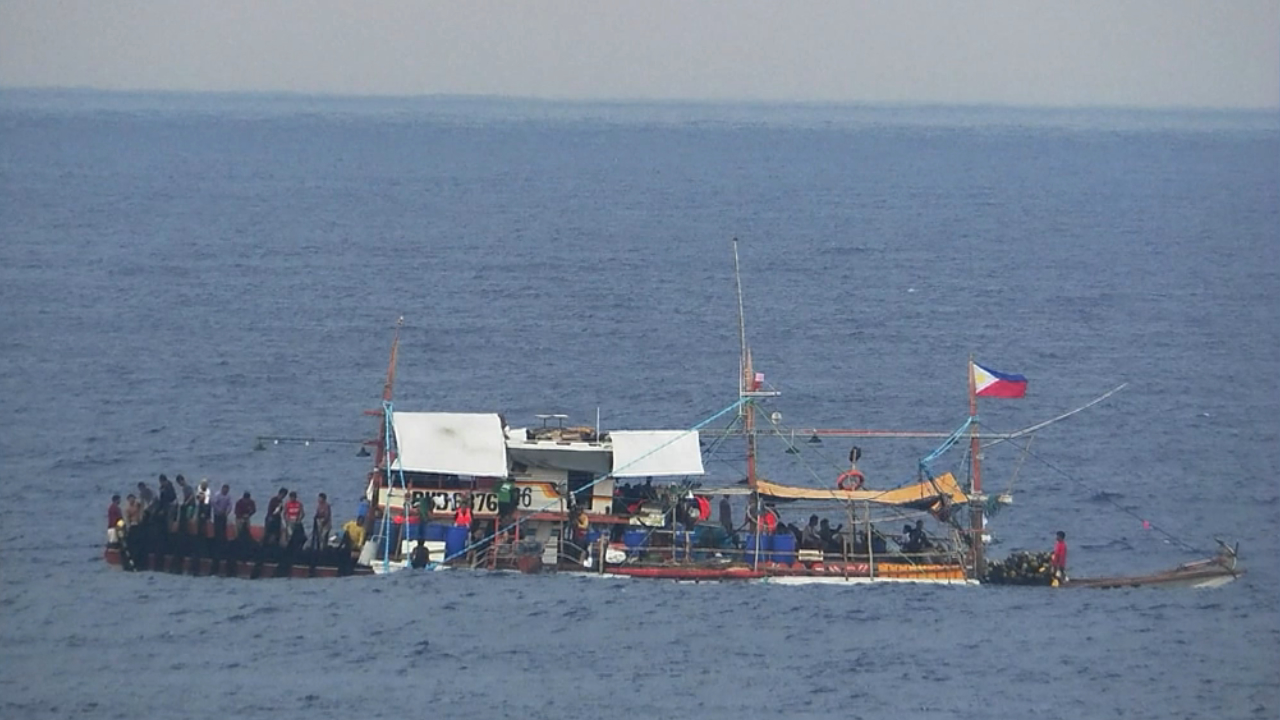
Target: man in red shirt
293	515
114	513
462	516
1059	562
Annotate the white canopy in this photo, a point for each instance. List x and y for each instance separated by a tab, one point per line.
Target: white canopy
655	453
450	443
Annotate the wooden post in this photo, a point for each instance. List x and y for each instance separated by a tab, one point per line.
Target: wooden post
871	547
975	480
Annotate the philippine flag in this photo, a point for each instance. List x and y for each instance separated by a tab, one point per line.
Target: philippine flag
990	383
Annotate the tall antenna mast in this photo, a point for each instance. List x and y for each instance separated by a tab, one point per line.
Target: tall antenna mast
743	360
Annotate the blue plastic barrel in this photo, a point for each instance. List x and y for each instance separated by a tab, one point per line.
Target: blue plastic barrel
593	536
436	532
635	539
784	548
766	542
455	539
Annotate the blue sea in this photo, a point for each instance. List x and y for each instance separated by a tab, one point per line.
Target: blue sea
181	274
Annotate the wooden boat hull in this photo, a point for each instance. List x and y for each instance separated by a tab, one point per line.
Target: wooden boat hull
179	565
1203	574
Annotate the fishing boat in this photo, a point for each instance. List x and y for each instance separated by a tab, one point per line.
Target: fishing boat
184	550
581	507
452	490
637	503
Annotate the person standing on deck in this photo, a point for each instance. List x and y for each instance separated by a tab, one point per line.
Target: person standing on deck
462	516
726	520
145	496
114	514
204	498
221	508
506	498
275	507
1058	563
769	520
423	507
245	509
919	539
293	516
132	511
811	537
321	522
420	557
831	539
167	502
188	507
579	527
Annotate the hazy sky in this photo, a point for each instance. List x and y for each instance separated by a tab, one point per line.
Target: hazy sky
1215	53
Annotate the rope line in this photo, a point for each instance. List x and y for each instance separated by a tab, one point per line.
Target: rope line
1102	494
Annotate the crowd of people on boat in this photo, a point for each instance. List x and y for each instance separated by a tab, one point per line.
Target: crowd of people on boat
761	517
189	519
178	518
629	498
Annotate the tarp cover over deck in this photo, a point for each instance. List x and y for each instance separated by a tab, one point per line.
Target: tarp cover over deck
655	453
921	494
450	443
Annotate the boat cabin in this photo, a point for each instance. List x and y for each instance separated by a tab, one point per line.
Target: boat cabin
557	470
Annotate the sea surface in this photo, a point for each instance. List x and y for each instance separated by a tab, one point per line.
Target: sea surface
180	275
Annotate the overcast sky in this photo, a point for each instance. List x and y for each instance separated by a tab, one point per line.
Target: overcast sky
1206	53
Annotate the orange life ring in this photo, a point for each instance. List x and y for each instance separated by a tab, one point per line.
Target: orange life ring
853	476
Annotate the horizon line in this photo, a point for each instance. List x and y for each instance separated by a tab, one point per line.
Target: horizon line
574	100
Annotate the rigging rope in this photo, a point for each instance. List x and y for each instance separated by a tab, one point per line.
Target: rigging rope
1101	494
947	444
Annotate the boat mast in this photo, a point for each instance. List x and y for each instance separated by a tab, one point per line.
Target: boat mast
746	386
746	377
976	502
380	444
387	389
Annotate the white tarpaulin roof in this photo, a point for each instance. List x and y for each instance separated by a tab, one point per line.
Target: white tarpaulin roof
643	453
450	443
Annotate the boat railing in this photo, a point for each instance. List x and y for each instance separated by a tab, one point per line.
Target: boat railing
668	546
644	546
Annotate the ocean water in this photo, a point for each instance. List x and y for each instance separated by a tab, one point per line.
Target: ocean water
181	274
